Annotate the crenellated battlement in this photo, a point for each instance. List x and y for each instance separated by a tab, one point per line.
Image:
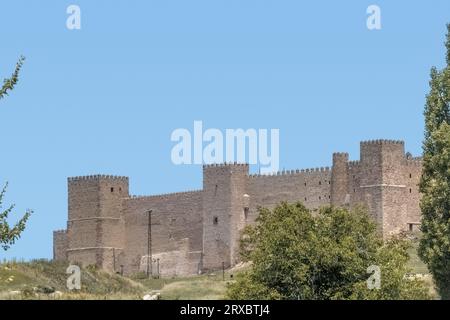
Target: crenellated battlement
164	195
225	165
104	216
340	155
382	141
97	178
414	161
354	163
292	172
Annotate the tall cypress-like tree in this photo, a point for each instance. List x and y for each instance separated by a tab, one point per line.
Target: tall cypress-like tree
434	247
9	234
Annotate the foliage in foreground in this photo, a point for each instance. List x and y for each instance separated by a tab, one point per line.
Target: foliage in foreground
434	247
9	83
298	254
8	234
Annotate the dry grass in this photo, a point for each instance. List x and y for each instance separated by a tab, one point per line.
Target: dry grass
31	280
42	279
194	289
46	280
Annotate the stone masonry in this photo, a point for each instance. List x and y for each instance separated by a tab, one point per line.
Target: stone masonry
196	231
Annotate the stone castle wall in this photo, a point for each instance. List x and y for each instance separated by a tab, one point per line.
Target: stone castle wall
178	262
174	217
311	186
200	230
96	233
60	245
413	172
386	181
224	190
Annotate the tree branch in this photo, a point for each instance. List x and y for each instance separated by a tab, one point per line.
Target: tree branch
9	83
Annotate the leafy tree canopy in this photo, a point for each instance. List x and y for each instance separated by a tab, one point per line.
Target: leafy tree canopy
434	247
299	254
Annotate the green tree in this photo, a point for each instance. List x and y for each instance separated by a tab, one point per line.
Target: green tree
8	234
434	247
299	254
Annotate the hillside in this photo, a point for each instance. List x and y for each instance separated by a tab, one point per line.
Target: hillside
42	279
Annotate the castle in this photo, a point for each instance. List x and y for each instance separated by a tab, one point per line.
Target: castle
191	232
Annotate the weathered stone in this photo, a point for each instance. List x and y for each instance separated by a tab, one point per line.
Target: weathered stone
196	231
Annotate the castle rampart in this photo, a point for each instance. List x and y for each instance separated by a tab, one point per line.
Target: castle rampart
174	217
195	231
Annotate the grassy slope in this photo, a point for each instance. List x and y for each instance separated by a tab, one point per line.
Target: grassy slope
40	276
415	263
29	277
204	287
418	267
30	280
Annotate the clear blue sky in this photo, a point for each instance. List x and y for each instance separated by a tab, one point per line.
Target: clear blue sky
106	98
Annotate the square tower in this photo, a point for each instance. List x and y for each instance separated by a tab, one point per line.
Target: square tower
382	184
95	228
224	189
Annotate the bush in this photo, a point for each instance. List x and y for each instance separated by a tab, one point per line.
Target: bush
297	254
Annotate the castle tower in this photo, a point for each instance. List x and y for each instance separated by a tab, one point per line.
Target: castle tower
60	245
382	183
339	179
224	201
95	226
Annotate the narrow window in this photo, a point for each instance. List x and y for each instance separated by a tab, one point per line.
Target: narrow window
246	210
410	175
410	227
112	189
354	190
410	190
306	199
320	198
305	184
320	183
216	220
